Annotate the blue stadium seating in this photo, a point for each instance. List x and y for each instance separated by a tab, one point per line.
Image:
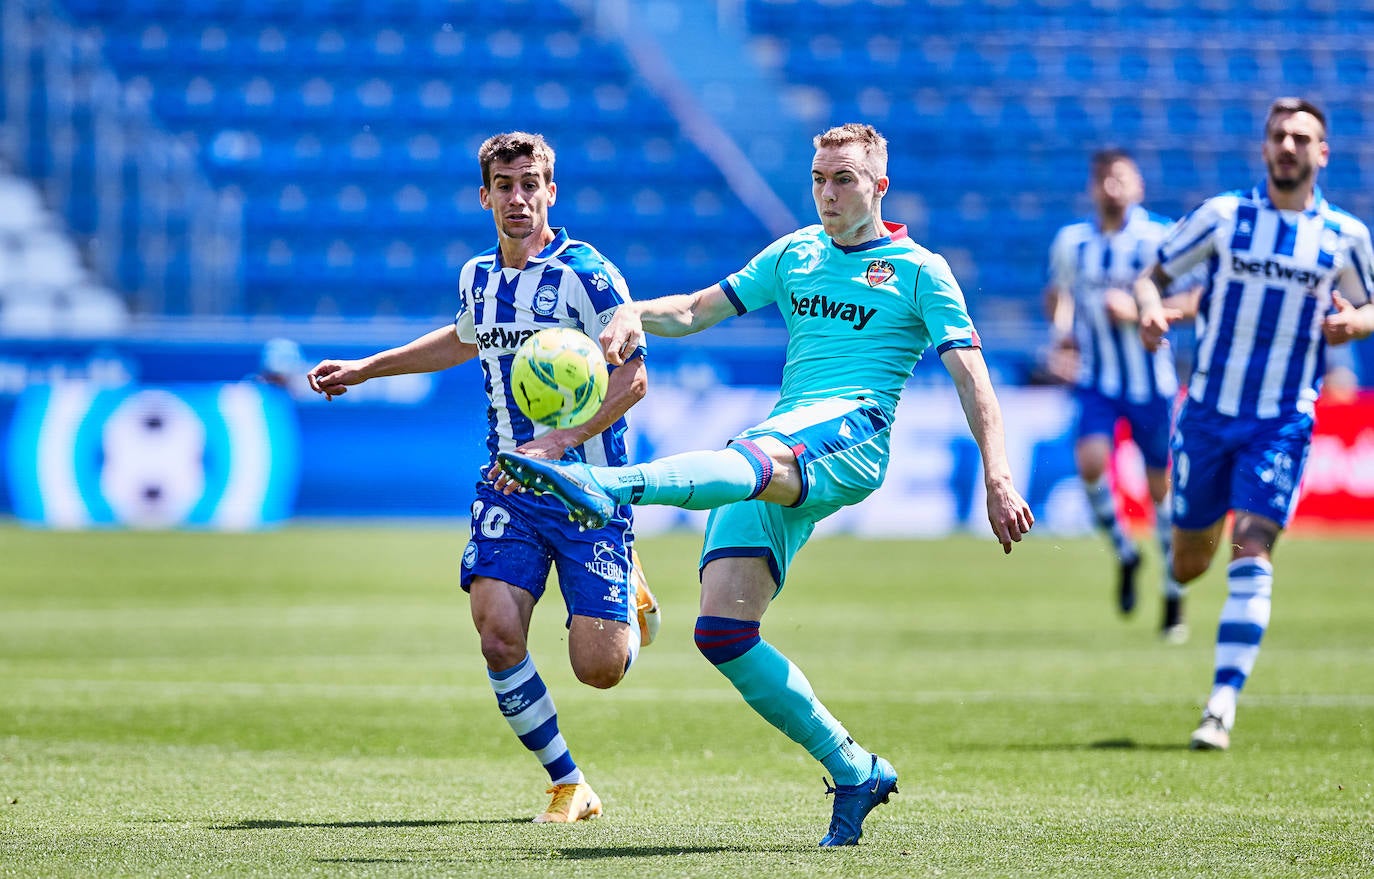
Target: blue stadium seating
351	127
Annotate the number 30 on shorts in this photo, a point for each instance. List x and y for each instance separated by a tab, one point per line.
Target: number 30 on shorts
492	522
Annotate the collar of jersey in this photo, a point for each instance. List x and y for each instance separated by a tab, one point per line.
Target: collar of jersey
1134	214
560	241
1262	196
894	231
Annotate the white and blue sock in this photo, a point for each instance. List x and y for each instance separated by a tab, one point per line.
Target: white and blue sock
1104	514
1164	529
1244	619
528	708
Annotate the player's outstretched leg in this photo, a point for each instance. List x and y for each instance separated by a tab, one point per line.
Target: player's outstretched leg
588	503
853	802
1125	583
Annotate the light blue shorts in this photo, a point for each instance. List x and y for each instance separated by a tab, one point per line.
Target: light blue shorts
842	447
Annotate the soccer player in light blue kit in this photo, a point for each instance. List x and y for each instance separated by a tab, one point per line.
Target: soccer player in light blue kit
1093	265
1288	273
536	277
861	301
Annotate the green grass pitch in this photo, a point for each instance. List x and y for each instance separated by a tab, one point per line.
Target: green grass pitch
311	702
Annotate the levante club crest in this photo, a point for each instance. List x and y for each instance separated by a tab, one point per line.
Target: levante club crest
880	271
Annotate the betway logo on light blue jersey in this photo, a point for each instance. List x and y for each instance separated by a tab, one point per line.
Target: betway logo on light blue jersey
834	309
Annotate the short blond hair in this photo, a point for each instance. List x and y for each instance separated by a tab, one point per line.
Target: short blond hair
866	136
512	145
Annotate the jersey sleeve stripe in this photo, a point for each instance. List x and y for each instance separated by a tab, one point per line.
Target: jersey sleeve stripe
733	297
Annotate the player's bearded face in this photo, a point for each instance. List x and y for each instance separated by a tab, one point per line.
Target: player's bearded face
519	197
1294	148
846	193
1118	186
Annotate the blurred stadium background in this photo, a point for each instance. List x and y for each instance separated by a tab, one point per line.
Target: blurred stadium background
198	192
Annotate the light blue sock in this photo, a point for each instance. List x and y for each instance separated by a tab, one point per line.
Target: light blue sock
691	480
781	694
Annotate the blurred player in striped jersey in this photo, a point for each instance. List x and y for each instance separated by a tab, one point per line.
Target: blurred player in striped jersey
1097	346
862	302
1288	274
536	277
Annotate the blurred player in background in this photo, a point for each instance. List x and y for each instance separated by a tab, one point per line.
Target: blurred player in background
1289	274
861	301
537	277
1097	346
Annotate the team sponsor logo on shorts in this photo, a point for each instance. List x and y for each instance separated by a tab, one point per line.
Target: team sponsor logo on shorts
606	564
880	271
470	556
545	300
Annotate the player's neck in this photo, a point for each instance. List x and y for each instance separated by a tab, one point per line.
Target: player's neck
1111	221
862	234
1300	199
517	252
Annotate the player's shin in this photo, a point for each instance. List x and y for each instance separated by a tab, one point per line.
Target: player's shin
691	480
1244	619
774	687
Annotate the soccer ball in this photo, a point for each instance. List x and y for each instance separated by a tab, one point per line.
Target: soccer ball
559	377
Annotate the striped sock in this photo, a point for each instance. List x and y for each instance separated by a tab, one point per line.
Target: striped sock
1164	529
1104	514
528	708
781	694
1244	618
691	480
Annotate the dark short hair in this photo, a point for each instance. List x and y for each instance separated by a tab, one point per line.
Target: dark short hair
1105	157
512	145
1289	106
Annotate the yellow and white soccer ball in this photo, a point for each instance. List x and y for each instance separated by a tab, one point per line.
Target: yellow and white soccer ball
559	377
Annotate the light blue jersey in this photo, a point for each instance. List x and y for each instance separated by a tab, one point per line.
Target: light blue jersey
858	318
1087	262
1270	274
569	284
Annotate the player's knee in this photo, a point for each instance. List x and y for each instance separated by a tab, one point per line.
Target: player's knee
721	639
600	674
1188	566
502	648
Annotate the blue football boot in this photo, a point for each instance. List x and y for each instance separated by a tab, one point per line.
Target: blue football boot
570	481
853	802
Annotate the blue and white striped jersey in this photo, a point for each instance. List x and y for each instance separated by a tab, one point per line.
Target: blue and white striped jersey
569	284
1270	274
1087	263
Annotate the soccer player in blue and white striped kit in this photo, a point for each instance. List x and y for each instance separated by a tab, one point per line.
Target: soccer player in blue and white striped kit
536	277
1093	264
1288	273
862	302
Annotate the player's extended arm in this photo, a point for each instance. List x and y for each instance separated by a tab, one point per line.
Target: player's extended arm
1155	317
627	386
436	350
1008	513
1348	323
679	315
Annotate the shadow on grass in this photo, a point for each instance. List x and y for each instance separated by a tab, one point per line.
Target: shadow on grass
279	824
599	852
1100	745
590	853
